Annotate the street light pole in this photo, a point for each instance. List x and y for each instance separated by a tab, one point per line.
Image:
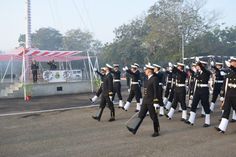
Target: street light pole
182	46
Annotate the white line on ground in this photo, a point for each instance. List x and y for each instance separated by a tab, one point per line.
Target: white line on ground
45	111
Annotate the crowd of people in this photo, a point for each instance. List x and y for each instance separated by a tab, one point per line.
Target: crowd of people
164	90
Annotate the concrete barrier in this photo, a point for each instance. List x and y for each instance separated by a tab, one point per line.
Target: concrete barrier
49	89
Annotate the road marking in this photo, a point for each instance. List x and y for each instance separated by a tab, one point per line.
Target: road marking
45	111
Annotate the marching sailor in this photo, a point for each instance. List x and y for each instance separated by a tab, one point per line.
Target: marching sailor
116	84
99	91
180	92
107	93
135	89
229	96
160	77
218	82
169	76
201	93
150	98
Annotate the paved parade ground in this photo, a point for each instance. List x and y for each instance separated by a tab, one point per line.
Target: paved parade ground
73	133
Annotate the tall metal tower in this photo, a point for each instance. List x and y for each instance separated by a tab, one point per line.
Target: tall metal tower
28	24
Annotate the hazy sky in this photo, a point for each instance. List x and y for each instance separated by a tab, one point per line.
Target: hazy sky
100	17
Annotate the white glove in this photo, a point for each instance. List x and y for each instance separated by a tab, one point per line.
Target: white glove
187	67
211	91
222	98
227	63
197	59
222	73
164	87
110	98
191	97
212	63
186	88
125	68
170	64
164	70
95	69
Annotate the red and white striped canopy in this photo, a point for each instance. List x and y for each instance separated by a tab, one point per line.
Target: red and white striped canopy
43	55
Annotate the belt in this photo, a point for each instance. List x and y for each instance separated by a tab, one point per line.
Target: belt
180	85
219	81
116	80
169	81
231	85
160	84
135	83
202	85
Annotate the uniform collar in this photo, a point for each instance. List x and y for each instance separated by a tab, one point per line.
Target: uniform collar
150	76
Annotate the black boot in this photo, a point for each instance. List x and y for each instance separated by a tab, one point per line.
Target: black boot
99	114
156	129
112	116
134	124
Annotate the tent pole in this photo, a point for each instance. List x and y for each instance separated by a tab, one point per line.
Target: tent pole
90	71
6	71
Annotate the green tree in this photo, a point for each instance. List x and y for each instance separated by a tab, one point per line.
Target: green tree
44	38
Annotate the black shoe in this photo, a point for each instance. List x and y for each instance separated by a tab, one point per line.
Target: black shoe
112	119
202	115
91	100
219	130
232	121
167	116
136	110
123	109
182	119
180	111
188	122
206	125
131	130
155	134
96	118
161	115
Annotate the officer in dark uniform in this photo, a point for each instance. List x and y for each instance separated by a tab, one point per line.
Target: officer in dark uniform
229	96
201	93
161	80
218	82
107	93
99	91
180	92
150	97
135	88
116	84
34	68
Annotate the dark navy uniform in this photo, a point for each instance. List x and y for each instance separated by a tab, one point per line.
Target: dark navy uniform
150	97
179	94
135	89
168	84
230	99
116	84
201	94
218	82
34	68
107	92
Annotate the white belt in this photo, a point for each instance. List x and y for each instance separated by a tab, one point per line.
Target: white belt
231	85
169	81
219	81
135	83
202	85
160	84
180	85
116	80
